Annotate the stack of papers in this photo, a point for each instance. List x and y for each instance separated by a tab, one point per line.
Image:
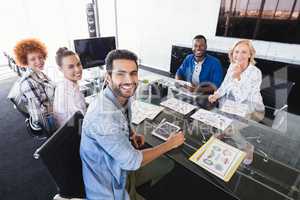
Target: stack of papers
212	119
235	108
150	77
178	106
218	158
142	110
183	83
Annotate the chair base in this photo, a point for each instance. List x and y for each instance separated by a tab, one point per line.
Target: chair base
40	135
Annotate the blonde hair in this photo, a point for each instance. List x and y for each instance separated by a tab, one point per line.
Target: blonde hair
251	48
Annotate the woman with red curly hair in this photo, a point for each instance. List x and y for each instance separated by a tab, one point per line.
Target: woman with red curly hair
37	90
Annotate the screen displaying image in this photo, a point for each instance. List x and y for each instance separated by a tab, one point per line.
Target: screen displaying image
93	51
269	20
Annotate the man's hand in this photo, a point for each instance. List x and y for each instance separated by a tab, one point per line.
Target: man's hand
205	89
137	140
176	139
190	88
173	141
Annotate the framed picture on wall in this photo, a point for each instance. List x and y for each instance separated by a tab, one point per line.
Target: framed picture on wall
269	20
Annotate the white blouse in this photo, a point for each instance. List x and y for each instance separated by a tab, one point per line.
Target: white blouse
68	100
246	90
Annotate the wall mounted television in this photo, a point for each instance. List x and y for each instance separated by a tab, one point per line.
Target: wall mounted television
268	20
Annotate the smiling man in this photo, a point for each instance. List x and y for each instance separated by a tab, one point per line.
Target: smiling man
110	149
203	71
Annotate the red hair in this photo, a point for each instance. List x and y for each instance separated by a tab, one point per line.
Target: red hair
26	46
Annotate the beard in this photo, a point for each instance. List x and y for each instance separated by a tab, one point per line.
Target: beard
126	90
200	54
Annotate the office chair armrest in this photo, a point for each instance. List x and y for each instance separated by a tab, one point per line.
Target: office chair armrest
275	111
280	109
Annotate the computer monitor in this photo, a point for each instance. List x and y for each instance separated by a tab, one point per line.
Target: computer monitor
92	51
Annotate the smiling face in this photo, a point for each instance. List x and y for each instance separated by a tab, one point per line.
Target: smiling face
241	55
199	48
36	61
71	68
123	79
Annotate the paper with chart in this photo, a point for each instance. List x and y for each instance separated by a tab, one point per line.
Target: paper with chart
235	108
137	117
182	87
142	110
212	119
218	158
178	106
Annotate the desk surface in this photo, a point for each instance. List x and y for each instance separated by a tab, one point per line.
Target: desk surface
274	172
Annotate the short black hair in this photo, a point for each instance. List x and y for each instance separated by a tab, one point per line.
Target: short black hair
119	54
197	37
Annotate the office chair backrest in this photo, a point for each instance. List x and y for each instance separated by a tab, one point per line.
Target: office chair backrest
178	54
60	154
19	108
276	95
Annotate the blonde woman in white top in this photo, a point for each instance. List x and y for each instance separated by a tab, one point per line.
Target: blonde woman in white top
242	81
68	98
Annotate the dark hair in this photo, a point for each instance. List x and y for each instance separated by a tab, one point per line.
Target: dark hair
197	37
61	53
119	54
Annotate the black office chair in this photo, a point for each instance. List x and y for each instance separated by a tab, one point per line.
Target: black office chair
18	69
12	64
273	101
39	133
60	154
8	59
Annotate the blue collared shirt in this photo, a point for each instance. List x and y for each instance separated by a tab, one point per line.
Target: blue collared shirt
211	71
106	152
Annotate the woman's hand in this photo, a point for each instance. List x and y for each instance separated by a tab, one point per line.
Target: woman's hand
238	69
213	98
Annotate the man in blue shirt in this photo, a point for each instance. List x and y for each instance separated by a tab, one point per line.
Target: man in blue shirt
203	71
109	147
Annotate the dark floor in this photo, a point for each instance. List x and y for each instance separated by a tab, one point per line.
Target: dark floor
23	177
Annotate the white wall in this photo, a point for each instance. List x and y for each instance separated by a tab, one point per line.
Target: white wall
55	22
151	27
128	16
106	11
